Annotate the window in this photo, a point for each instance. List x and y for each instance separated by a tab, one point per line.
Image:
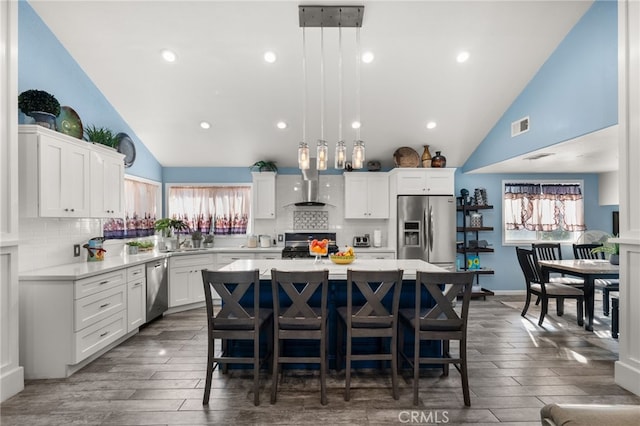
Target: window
542	211
219	210
141	205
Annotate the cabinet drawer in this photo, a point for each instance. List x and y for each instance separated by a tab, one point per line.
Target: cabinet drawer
99	335
98	283
92	309
379	255
227	258
205	260
268	256
135	272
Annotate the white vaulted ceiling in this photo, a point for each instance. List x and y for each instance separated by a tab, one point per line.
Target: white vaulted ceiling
220	75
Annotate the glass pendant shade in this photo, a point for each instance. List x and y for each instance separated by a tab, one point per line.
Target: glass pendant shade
358	155
341	155
322	155
303	156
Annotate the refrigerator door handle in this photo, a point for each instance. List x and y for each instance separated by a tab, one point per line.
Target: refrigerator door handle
425	231
430	228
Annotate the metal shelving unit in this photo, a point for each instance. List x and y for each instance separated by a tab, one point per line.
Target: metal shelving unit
463	247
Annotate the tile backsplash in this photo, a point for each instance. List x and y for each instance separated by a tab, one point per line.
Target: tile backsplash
311	220
49	241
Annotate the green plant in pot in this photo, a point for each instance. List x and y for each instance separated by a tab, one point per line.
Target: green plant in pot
101	135
208	241
168	226
611	248
196	238
265	166
43	107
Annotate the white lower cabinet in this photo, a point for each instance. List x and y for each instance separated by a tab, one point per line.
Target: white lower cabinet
136	297
375	255
223	259
62	323
185	278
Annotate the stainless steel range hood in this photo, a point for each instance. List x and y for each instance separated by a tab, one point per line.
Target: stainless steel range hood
310	186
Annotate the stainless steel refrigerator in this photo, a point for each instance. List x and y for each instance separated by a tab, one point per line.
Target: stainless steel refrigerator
427	229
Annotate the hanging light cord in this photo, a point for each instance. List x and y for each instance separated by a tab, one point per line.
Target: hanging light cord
340	84
358	82
304	83
322	83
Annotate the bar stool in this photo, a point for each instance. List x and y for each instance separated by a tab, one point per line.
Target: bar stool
369	315
440	322
297	317
234	322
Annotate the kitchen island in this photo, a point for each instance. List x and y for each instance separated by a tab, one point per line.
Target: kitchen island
338	296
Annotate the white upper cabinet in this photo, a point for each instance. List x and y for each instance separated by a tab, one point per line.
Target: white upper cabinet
264	195
54	174
61	176
107	184
366	195
425	181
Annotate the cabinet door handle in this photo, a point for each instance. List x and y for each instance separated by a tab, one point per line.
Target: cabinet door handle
66	210
137	284
103	282
105	305
104	334
73	210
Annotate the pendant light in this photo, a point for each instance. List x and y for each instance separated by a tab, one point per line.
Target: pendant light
322	152
357	157
341	149
303	147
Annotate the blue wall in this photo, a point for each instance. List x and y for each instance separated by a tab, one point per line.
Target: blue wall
508	275
574	93
44	64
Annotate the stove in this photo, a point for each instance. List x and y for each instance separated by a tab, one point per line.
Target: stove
297	243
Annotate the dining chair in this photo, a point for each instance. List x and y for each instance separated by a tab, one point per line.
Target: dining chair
440	322
553	251
298	316
536	285
585	251
234	321
373	298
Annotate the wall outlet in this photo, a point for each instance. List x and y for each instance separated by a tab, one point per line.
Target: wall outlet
280	238
76	250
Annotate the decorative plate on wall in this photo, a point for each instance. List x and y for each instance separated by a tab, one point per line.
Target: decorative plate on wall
69	123
125	146
406	157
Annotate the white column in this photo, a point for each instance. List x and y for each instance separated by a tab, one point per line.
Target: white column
11	374
627	369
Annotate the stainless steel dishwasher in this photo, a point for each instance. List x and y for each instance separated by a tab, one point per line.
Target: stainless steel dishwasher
157	289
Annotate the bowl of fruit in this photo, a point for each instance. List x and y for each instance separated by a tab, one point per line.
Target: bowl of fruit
343	257
318	248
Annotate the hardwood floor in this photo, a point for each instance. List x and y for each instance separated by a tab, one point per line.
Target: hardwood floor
157	378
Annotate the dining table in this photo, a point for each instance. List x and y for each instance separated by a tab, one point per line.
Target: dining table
589	270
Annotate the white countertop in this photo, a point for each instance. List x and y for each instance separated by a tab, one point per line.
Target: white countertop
79	270
338	272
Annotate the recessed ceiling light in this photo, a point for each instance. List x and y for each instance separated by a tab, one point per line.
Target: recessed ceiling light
367	57
168	55
270	57
431	125
355	125
205	124
462	56
281	125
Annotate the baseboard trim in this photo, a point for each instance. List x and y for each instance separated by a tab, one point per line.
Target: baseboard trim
628	377
11	383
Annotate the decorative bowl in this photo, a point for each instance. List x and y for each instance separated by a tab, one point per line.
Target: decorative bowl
342	260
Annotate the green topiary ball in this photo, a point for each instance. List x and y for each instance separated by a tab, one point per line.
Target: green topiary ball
38	100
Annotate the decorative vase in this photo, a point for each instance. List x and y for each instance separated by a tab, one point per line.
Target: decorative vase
615	259
196	243
44	119
438	160
426	157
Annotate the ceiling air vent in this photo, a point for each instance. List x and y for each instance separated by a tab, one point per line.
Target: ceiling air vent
519	127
